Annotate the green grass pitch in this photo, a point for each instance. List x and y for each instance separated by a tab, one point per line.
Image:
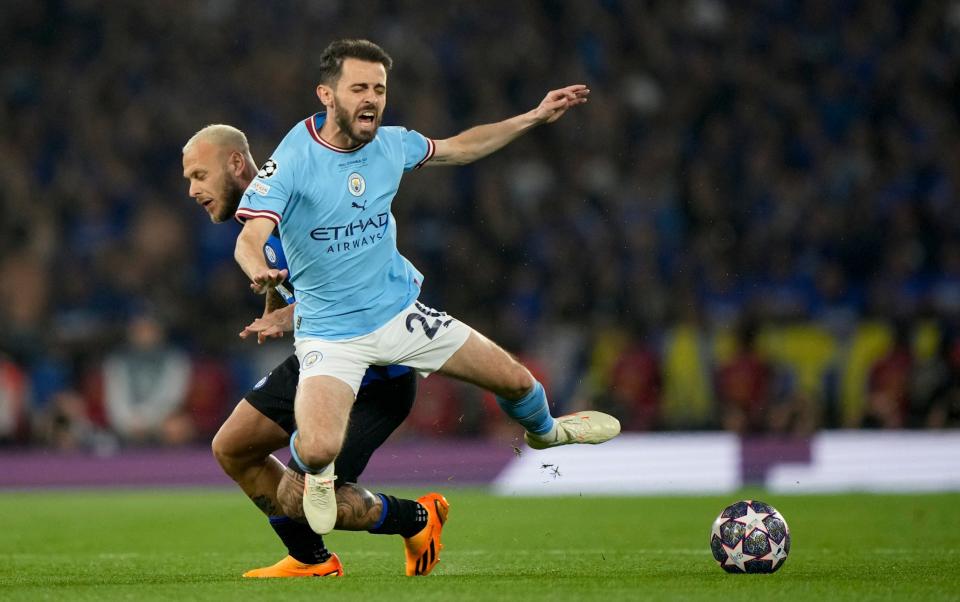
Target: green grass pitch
194	544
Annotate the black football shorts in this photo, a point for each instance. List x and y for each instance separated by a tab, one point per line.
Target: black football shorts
380	407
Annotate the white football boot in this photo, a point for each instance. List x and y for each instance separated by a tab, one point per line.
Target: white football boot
320	501
581	427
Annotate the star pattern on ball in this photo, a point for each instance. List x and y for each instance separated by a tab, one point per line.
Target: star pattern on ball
736	557
753	519
756	542
716	527
777	551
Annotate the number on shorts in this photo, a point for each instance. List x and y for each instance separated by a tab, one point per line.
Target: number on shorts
429	330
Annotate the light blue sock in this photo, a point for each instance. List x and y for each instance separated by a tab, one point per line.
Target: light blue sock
296	457
531	410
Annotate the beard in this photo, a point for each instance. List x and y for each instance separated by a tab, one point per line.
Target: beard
346	125
231	194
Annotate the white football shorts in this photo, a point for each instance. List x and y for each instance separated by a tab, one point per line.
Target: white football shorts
418	337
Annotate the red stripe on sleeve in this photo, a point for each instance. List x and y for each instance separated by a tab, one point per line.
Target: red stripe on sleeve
431	148
243	215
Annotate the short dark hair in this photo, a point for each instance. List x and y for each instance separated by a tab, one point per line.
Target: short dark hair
331	61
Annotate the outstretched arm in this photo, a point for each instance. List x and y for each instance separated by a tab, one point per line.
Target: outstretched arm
480	141
249	254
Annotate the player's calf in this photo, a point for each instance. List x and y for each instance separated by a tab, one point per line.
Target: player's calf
419	522
242	448
322	409
290	494
481	362
319	499
357	508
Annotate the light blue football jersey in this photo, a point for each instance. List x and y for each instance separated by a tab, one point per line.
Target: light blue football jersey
276	258
332	208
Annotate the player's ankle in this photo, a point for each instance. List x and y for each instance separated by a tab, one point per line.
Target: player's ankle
400	517
548	435
302	543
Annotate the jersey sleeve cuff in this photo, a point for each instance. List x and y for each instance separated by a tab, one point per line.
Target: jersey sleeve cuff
242	215
431	148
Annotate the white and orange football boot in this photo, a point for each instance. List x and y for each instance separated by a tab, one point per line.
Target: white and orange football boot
291	567
589	427
423	549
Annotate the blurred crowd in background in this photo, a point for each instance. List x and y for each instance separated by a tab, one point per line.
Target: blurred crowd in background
753	224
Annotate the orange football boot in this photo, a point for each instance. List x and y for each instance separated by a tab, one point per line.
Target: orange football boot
291	567
423	549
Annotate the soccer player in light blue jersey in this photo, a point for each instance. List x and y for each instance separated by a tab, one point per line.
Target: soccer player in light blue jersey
328	188
219	166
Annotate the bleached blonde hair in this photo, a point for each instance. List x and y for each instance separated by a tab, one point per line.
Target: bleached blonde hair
222	135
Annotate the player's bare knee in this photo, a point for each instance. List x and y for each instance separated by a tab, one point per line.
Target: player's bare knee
317	453
318	459
318	447
517	383
233	455
224	453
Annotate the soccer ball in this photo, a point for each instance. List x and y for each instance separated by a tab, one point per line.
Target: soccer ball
750	537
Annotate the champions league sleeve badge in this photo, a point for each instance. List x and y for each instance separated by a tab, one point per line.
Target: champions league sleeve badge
269	168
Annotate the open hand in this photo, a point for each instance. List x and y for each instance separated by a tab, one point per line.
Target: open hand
556	102
270	325
267	279
264	328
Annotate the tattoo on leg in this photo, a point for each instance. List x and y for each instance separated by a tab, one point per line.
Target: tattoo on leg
357	508
290	494
266	505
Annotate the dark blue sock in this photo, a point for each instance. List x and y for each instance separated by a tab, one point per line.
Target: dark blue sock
400	517
302	543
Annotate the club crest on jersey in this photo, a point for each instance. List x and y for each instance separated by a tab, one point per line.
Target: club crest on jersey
312	358
356	184
271	254
269	168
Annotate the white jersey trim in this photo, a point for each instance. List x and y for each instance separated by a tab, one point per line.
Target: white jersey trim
431	149
243	215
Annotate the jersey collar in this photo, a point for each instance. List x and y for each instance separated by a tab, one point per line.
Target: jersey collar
314	123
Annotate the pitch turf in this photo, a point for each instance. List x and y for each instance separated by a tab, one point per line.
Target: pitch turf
193	545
